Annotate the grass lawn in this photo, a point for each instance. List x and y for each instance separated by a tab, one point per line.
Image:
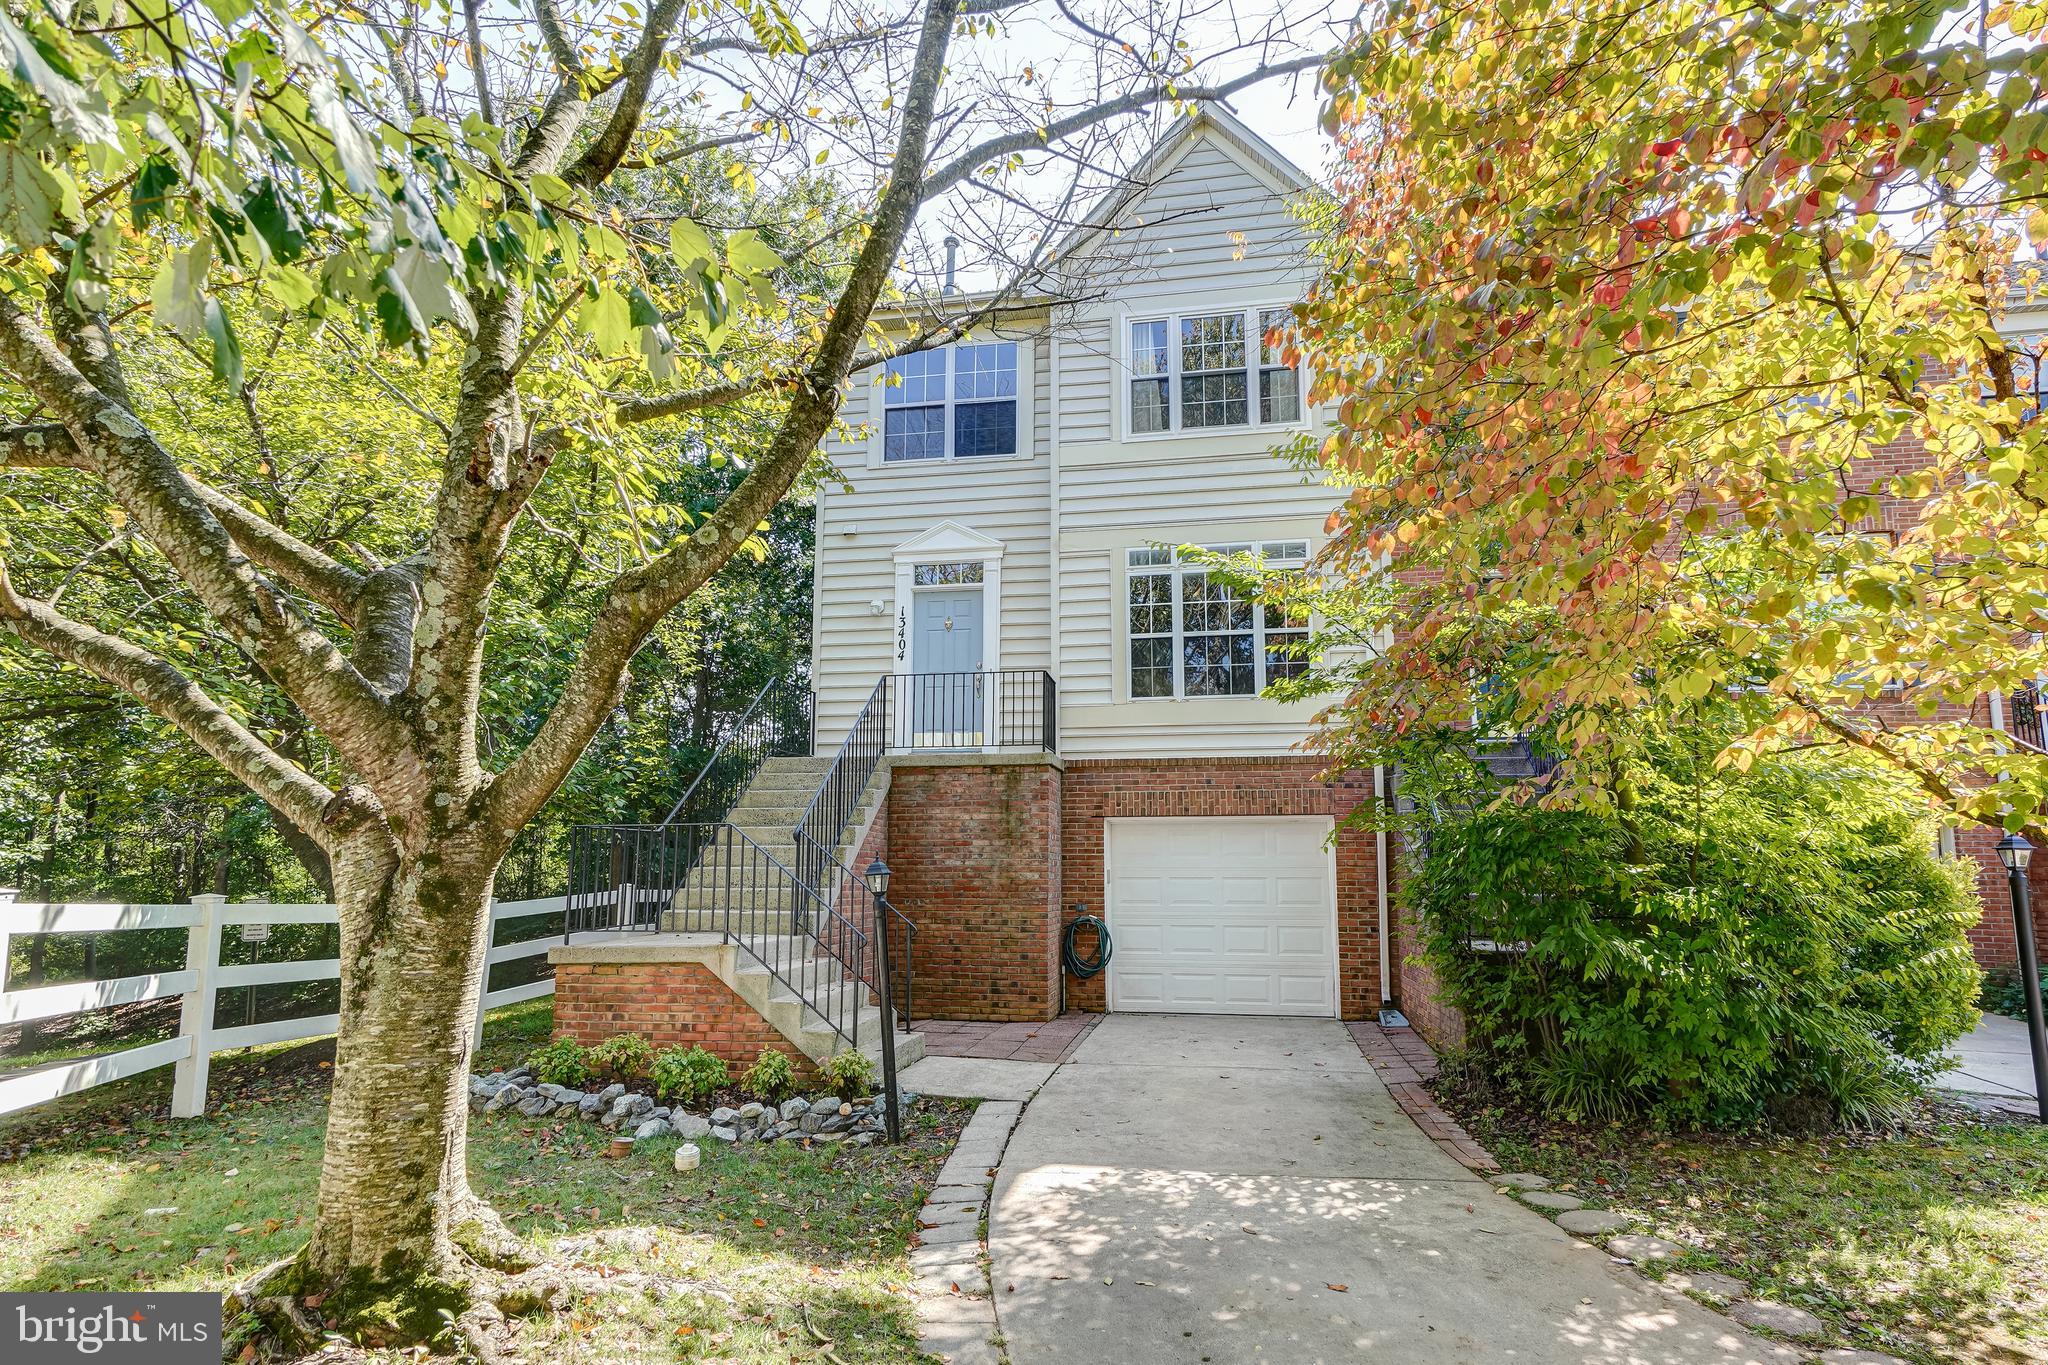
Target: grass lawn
1929	1243
100	1190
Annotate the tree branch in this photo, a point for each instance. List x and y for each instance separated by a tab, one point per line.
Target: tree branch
1033	139
172	695
637	600
608	148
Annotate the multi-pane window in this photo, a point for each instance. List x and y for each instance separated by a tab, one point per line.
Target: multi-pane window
1191	635
1279	382
955	402
1200	371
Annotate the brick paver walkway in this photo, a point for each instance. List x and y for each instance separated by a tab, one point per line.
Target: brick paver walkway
1406	1065
1052	1041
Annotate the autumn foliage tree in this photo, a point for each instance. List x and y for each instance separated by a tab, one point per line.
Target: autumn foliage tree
481	190
1665	343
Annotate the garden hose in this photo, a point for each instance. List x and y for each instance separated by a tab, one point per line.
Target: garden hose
1072	960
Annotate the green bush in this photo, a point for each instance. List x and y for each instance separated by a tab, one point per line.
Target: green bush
688	1074
849	1074
771	1077
626	1058
2005	994
1732	948
561	1062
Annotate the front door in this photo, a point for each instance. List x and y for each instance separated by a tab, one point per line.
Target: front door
946	694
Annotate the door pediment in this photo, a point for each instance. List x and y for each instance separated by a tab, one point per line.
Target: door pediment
950	540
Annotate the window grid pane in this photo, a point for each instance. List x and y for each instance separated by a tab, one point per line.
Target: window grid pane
1212	400
1188	629
1148	348
985	429
916	379
914	433
1212	343
1149	410
1279	395
985	370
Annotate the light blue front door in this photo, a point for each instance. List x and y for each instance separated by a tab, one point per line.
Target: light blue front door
946	696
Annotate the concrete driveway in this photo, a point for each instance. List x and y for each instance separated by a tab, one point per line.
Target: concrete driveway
1992	1059
1195	1189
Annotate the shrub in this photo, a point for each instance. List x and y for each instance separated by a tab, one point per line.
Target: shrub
1731	948
849	1074
626	1058
561	1062
688	1074
2004	992
771	1077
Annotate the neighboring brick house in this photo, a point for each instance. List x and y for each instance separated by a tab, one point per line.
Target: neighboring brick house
1032	706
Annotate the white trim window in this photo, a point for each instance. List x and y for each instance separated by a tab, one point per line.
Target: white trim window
1190	635
951	403
1204	371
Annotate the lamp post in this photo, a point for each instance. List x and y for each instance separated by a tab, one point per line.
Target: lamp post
877	876
2016	853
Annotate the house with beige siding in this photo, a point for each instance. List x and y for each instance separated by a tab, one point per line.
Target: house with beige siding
1010	548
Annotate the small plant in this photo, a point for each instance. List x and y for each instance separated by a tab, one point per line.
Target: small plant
627	1058
2005	992
771	1077
849	1074
561	1062
687	1074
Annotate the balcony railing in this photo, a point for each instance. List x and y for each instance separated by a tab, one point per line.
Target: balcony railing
2023	718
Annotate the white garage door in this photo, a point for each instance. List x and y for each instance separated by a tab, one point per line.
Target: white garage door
1222	916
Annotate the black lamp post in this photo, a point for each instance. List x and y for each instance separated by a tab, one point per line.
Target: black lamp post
877	877
2016	853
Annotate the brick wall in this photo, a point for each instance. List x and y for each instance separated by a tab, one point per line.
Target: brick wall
976	855
1098	790
670	1004
1416	992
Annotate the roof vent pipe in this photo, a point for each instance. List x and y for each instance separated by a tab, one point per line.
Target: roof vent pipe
952	262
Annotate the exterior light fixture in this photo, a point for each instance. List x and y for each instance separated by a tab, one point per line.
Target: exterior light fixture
877	877
2015	852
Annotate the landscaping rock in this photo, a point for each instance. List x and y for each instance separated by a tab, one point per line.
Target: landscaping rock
568	1109
811	1122
751	1110
688	1156
572	1098
724	1116
1592	1222
1556	1203
1632	1246
1781	1318
864	1139
1722	1288
725	1134
651	1128
535	1104
828	1103
1522	1180
793	1109
505	1098
611	1092
837	1123
661	1111
690	1125
591	1106
521	1075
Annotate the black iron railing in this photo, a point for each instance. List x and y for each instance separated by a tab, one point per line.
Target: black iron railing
2023	717
776	725
1012	708
712	878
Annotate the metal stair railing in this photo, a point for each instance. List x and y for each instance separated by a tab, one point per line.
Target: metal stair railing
716	879
777	724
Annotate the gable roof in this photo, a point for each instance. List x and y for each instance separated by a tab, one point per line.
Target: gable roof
1246	147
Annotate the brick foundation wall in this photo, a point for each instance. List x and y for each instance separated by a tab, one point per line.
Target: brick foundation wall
976	855
1101	789
670	1004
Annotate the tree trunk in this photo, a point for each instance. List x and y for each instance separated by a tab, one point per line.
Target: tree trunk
393	1180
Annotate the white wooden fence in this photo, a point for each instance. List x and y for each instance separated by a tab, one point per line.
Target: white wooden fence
199	982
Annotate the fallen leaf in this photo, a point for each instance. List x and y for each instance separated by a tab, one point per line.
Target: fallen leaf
1340	1288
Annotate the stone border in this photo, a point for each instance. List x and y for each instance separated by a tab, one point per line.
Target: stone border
956	1312
1406	1064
